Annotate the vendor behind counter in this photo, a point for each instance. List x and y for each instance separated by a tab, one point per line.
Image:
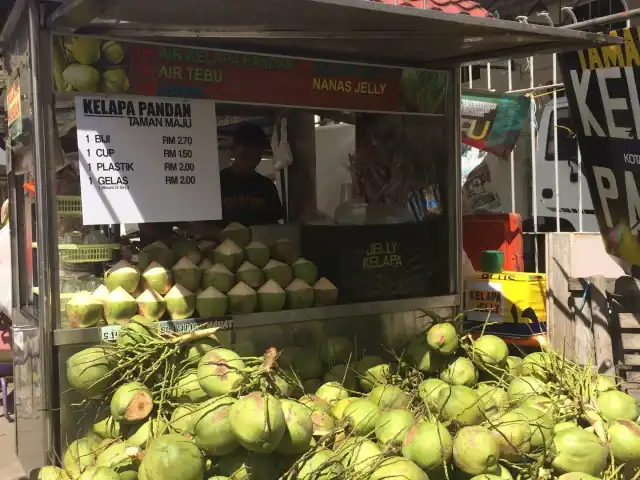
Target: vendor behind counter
247	197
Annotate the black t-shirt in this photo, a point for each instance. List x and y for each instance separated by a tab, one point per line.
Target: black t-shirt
249	199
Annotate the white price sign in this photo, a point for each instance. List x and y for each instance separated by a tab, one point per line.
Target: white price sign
147	159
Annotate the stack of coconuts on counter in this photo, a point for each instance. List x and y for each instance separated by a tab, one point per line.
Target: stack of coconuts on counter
237	276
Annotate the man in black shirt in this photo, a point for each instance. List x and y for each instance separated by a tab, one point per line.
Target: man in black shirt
247	197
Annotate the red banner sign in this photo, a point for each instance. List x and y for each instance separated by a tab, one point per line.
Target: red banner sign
94	65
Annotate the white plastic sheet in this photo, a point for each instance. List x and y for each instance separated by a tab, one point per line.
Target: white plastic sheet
6	282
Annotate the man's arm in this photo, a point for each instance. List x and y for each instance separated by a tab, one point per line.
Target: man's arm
275	211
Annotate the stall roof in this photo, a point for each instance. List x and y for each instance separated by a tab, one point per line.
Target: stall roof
352	30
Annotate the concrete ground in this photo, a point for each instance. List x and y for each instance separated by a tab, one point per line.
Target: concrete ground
10	467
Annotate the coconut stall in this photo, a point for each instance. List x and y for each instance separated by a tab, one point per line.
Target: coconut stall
323	345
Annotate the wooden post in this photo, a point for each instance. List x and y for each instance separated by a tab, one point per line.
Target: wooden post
301	183
561	326
603	345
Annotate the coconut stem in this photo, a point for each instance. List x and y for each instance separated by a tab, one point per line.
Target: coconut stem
195	335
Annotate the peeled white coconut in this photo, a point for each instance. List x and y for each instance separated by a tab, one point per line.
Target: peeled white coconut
284	250
271	297
84	310
219	277
157	278
123	275
251	275
325	293
187	274
242	299
237	232
211	303
305	270
189	249
229	254
279	272
257	253
155	252
119	307
299	294
207	247
205	264
101	293
181	302
151	304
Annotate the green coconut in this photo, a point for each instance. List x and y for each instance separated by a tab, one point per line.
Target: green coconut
600	384
211	303
336	349
460	405
364	368
99	473
541	425
134	333
250	274
429	390
315	403
79	456
322	465
237	232
141	434
398	468
220	372
131	402
242	299
343	375
90	371
298	434
332	392
338	408
205	265
173	456
325	293
183	418
617	405
429	445
187	388
361	416
577	476
284	250
122	275
475	451
490	352
107	428
212	430
522	388
540	403
187	274
279	272
625	441
512	434
299	295
257	253
323	423
258	422
376	375
207	247
53	473
358	455
558	427
121	458
576	447
494	399
537	364
421	356
229	254
389	397
157	277
187	248
194	351
218	277
244	465
151	304
181	302
443	338
307	364
513	366
271	297
305	270
460	372
155	252
393	426
312	384
84	310
119	307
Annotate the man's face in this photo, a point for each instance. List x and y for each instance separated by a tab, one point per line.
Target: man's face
246	158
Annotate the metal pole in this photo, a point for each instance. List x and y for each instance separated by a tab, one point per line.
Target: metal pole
541	87
512	155
42	83
616	17
454	195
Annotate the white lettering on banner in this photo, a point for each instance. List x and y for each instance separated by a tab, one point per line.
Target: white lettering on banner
633	201
581	87
611	104
606	193
635	103
631	158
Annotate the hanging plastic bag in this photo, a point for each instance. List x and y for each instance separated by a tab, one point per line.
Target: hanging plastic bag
282	157
5	271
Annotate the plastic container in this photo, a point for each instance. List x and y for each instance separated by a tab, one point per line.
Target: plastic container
494	231
492	261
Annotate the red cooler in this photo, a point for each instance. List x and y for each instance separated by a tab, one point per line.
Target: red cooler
494	231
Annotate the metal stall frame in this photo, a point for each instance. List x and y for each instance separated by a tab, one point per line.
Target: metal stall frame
354	31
